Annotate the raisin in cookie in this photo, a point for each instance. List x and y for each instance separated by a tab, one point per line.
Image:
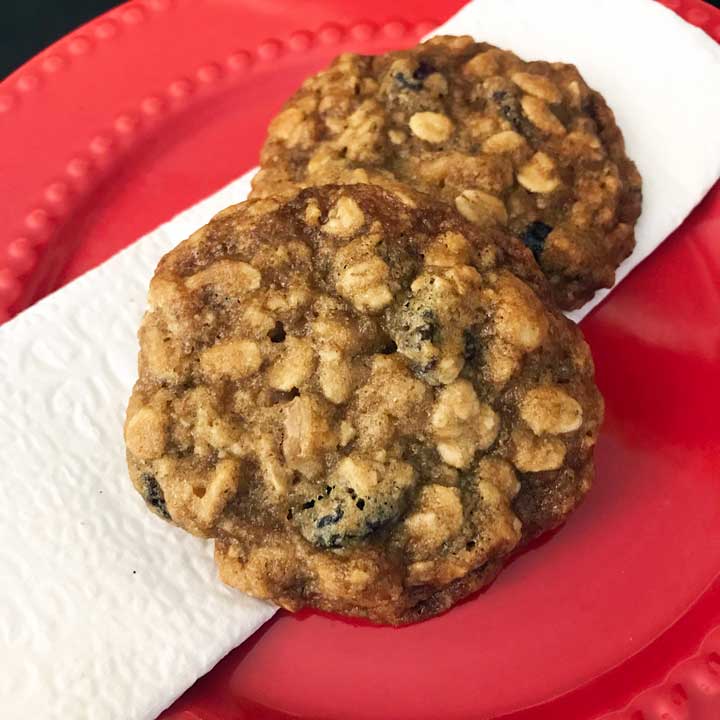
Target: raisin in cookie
367	400
524	145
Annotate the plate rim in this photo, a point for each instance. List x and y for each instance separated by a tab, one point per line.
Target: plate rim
35	230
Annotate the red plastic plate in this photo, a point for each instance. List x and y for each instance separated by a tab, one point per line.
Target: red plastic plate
151	107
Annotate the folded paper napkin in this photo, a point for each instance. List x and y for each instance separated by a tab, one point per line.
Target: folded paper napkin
108	613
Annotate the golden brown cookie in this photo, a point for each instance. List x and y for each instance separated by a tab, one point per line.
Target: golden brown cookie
523	145
365	399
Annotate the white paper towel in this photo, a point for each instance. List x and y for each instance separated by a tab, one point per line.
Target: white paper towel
108	613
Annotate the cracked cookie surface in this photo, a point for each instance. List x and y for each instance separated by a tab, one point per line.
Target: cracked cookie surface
523	145
365	399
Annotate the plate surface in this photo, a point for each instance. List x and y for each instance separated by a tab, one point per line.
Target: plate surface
151	107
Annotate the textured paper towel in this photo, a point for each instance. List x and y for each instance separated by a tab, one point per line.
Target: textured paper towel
108	613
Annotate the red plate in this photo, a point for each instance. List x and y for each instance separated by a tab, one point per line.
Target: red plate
157	104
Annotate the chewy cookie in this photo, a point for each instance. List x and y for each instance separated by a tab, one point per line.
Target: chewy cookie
366	399
523	145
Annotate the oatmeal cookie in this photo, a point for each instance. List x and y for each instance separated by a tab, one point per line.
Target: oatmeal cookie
523	145
367	400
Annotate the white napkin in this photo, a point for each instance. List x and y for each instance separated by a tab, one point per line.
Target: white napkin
108	613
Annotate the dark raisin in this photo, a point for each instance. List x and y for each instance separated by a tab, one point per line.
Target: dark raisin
470	347
309	504
154	496
423	70
534	237
415	81
276	397
328	489
426	331
277	334
407	83
470	545
334	541
360	504
429	327
289	514
331	519
389	349
422	370
510	109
